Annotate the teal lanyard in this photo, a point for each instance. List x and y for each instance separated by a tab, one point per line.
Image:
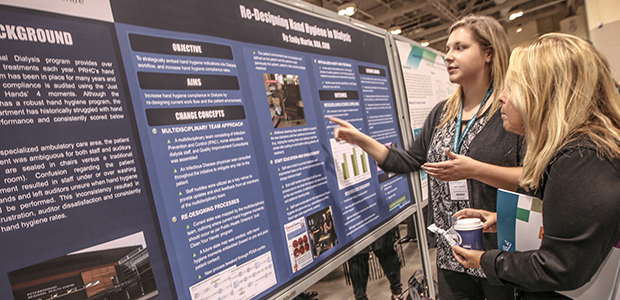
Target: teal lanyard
458	138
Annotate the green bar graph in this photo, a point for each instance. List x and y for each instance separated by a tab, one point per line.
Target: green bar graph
356	169
345	167
347	160
364	162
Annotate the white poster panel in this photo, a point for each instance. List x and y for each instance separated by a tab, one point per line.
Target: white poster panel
426	83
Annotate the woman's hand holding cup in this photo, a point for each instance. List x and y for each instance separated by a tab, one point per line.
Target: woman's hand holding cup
488	218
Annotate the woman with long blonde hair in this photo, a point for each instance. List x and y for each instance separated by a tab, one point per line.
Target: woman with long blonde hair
462	145
560	95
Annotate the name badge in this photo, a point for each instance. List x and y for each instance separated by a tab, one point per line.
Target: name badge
458	190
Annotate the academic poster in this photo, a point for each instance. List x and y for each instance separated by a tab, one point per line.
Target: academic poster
426	82
181	150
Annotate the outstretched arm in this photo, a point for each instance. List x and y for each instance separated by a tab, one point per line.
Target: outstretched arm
349	133
463	167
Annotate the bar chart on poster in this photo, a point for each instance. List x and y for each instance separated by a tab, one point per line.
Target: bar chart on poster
351	163
158	150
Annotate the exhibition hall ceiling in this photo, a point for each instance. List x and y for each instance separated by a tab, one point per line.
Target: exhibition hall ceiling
430	19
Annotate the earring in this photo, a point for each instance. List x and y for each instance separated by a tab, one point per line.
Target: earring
488	60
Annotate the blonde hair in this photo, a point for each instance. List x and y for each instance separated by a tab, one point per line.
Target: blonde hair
563	89
490	34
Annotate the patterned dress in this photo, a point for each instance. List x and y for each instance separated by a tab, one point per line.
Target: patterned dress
443	206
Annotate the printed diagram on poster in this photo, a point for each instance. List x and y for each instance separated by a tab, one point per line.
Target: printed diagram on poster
351	163
298	244
238	282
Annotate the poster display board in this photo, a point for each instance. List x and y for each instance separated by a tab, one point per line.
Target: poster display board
181	150
426	83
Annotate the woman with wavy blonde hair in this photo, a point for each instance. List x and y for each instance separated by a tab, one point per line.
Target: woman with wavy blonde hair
560	95
580	101
462	146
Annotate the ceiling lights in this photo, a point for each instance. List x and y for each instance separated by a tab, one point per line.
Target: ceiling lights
519	28
515	15
424	43
347	9
395	30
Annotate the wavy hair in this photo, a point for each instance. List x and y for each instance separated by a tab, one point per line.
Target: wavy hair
490	34
563	88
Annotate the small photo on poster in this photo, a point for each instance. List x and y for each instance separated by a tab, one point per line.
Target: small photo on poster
298	244
284	96
322	232
116	269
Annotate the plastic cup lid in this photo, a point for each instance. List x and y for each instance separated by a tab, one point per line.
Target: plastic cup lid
468	224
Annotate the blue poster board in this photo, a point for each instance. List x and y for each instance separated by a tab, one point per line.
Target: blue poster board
182	150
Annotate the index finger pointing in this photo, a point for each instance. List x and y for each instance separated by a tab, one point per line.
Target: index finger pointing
337	121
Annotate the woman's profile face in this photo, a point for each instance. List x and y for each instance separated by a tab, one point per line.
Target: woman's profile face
513	121
465	57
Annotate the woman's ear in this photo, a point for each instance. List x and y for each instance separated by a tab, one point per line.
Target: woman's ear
489	56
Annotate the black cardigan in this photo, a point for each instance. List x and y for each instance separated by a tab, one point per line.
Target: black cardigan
581	215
